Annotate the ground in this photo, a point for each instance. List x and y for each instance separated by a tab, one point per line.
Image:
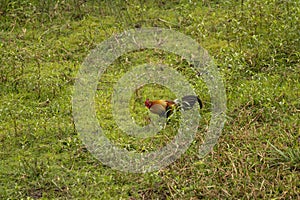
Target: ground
255	46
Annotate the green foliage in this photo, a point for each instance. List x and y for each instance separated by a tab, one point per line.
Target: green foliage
256	47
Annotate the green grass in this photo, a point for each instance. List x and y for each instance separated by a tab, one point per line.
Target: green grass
255	45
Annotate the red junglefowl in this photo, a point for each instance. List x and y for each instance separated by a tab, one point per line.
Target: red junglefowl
164	108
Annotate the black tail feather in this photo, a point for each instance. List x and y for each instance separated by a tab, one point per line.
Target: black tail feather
189	101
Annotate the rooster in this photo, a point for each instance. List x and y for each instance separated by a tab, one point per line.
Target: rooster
165	108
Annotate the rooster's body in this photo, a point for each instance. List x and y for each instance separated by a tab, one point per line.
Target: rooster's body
166	107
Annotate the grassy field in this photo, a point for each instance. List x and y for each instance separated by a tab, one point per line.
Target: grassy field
255	45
